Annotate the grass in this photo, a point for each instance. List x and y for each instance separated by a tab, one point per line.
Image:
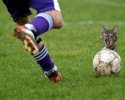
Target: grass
72	48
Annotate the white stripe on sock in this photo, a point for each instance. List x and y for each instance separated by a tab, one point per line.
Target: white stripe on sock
30	27
41	54
48	18
53	69
35	56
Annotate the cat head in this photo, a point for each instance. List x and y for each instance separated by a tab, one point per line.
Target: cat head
109	37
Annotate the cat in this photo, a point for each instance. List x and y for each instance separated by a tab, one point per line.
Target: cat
109	37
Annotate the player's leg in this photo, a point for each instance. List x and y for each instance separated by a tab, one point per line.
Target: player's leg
42	58
44	22
28	34
57	18
40	24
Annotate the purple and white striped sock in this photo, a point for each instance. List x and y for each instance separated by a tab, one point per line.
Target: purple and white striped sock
44	60
40	24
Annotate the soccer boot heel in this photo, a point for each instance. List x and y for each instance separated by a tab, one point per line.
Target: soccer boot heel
55	76
28	39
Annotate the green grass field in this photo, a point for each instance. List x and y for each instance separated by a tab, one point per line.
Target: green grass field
72	49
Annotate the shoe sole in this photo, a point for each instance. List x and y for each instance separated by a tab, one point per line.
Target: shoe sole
27	39
57	78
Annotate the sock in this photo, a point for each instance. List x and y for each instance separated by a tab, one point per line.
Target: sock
41	23
44	60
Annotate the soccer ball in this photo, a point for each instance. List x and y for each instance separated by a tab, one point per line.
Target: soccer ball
107	62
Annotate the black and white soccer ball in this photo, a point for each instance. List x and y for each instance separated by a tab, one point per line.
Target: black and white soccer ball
107	62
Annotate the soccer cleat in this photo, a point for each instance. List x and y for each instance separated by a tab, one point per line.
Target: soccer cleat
28	39
55	76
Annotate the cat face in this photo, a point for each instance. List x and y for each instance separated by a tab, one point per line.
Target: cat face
109	37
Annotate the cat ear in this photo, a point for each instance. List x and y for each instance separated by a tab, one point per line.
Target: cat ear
114	30
103	29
